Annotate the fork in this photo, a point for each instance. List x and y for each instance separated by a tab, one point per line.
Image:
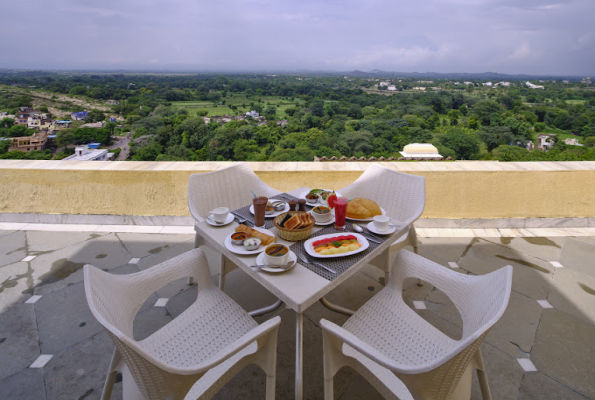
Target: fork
306	261
240	219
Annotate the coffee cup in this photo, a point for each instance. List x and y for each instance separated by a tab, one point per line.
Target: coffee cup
276	254
220	214
381	222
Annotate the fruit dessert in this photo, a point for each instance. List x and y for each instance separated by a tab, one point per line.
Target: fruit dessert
336	245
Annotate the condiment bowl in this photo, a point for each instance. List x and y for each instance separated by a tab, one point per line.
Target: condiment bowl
276	254
322	214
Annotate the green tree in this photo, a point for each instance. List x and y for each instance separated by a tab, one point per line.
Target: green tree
65	137
4	146
487	111
494	136
6	122
464	145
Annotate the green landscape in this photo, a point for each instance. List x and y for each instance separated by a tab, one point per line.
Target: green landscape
302	117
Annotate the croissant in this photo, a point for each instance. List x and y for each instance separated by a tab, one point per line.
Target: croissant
266	239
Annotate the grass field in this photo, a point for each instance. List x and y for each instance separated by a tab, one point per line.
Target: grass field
239	101
575	102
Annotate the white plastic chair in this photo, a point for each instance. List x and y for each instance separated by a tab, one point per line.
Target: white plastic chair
228	187
403	197
404	356
199	351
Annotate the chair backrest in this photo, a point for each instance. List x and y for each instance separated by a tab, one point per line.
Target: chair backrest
403	196
481	301
228	187
109	298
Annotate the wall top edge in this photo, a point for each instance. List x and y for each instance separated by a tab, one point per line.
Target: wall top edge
439	166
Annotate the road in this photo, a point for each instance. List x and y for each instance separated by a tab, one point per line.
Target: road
124	144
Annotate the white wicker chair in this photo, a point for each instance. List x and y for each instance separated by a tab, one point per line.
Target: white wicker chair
401	354
199	351
228	187
403	196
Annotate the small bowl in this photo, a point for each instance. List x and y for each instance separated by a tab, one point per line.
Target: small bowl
237	238
278	258
269	210
252	243
311	198
320	216
279	206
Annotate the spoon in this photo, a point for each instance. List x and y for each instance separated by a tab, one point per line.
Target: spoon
359	229
282	267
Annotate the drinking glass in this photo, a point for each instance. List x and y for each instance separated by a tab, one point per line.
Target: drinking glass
340	211
260	206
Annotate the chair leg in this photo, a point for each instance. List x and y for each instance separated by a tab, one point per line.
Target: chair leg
329	389
222	273
482	377
413	236
111	375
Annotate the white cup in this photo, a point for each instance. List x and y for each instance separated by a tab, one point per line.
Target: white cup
322	218
276	260
381	222
220	214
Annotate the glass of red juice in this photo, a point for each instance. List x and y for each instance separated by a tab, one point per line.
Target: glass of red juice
340	211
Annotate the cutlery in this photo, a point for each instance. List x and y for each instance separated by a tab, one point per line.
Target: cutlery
241	219
283	267
305	261
370	237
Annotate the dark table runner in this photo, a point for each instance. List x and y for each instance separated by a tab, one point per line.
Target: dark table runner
338	264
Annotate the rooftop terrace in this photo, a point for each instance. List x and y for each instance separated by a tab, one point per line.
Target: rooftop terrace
124	217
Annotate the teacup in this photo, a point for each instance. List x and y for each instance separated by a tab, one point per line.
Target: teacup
322	214
276	254
220	214
381	222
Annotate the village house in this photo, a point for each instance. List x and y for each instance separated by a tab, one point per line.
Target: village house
544	142
113	102
532	86
83	153
572	142
79	116
98	125
282	123
253	114
30	143
392	88
22	115
38	121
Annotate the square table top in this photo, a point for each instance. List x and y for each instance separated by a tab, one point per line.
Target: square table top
298	287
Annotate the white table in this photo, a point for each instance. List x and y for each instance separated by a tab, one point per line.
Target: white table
299	287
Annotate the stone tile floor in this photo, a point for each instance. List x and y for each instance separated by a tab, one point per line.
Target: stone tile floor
51	347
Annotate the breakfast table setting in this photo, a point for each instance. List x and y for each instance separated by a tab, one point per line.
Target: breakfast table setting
301	244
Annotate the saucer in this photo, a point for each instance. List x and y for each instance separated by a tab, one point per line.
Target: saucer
323	223
228	220
261	261
372	228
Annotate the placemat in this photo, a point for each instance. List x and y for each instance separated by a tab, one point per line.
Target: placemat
268	222
339	264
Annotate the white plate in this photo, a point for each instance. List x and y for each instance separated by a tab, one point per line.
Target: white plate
241	249
324	223
372	227
367	219
310	249
229	220
274	214
303	196
260	260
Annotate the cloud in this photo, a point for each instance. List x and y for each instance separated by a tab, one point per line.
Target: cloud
532	36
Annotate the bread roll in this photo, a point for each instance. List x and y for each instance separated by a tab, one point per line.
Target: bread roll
361	208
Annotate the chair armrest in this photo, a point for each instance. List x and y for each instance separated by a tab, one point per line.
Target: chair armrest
364	348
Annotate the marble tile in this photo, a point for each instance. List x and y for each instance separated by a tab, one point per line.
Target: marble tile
561	350
453	265
419	305
134	260
493	223
526	364
28	258
437	223
161	302
41	361
545	304
129	229
578	255
141	245
537	386
33	299
486	233
19	342
556	264
24	385
11	226
60	227
539	247
507	233
556	222
178	230
573	292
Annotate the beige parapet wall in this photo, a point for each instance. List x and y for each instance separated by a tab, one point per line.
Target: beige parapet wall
457	190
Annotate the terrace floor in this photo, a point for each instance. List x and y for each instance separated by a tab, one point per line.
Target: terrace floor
51	347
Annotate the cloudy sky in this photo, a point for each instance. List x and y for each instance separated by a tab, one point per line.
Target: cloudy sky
508	36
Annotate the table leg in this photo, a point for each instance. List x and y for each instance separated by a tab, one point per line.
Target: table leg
299	342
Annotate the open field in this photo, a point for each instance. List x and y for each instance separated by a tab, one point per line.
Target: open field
575	102
240	101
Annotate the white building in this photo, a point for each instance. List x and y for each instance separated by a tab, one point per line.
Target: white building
421	150
83	153
488	84
252	114
392	88
532	86
572	142
383	84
